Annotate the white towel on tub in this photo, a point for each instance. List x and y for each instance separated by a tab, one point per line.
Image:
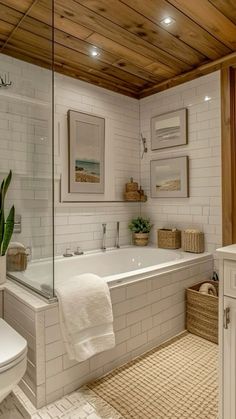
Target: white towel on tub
86	317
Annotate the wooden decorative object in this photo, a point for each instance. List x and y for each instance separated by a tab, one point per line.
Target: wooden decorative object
202	313
169	239
193	241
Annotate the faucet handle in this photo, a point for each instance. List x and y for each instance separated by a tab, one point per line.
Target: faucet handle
68	253
78	251
28	252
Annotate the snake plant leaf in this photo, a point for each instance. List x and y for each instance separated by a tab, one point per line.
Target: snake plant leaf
2	222
1	193
8	231
5	186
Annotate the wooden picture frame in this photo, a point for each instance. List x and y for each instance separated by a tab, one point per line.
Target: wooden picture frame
170	177
169	129
86	152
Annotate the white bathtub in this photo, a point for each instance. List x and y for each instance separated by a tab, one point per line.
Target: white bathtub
117	266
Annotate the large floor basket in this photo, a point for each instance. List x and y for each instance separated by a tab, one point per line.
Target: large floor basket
202	313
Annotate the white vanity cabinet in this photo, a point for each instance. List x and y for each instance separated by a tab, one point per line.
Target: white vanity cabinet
227	331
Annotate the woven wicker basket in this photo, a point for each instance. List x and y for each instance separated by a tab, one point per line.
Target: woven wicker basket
131	186
193	241
17	263
202	313
169	239
132	196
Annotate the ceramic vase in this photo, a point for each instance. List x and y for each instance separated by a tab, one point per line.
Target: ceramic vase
3	269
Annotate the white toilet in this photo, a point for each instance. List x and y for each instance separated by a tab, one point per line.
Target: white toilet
13	358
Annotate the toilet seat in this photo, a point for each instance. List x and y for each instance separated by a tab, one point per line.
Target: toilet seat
13	347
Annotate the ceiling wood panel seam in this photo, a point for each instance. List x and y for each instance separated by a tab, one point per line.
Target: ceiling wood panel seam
19	23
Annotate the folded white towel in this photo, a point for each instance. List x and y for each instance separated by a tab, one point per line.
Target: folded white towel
86	317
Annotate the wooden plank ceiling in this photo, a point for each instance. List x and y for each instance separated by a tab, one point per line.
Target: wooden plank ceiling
137	54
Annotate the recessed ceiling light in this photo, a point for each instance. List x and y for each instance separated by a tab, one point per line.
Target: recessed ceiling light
167	21
206	98
94	52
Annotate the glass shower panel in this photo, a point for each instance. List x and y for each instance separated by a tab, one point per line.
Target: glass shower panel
26	141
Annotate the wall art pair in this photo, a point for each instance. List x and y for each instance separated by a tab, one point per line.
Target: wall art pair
169	176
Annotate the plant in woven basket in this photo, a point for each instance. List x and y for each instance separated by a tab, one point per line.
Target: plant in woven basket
140	228
6	226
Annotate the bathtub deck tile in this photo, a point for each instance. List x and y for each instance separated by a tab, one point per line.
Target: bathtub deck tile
51	316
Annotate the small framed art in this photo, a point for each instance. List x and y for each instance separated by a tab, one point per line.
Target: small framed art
169	129
86	153
169	178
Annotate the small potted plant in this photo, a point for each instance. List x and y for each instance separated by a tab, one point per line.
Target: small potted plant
6	226
140	228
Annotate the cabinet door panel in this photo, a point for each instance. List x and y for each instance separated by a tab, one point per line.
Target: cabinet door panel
229	362
230	278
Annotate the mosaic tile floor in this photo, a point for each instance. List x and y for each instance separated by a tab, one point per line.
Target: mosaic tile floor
80	404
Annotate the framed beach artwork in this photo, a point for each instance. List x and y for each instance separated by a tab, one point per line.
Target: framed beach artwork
169	178
169	130
86	153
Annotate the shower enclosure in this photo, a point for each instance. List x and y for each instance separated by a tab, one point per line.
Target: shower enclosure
26	138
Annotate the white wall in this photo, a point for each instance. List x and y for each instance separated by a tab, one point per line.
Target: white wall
25	146
81	224
203	208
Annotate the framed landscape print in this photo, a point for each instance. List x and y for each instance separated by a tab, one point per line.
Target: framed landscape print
169	178
169	130
86	153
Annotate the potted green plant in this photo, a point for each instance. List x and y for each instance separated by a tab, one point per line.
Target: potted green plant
140	228
6	226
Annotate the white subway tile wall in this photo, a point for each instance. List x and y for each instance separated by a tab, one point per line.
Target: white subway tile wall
202	209
25	147
146	313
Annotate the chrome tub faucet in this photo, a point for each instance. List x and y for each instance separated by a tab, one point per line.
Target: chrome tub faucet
104	230
117	243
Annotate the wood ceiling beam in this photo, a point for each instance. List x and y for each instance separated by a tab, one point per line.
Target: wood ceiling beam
190	75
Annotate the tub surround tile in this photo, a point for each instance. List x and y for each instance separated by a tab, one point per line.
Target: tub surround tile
146	313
